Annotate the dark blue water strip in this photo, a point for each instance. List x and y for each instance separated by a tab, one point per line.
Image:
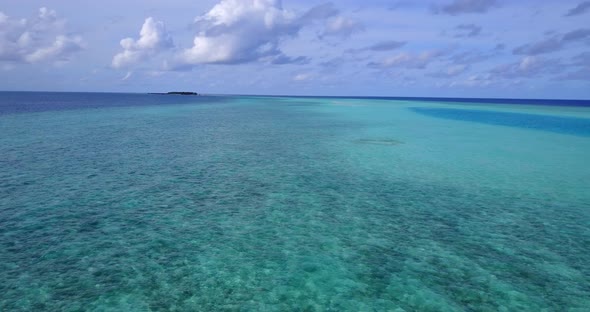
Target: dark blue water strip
557	124
544	102
27	102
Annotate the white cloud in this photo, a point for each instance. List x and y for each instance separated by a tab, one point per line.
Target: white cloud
302	77
237	31
61	46
153	38
342	27
241	31
39	39
528	67
127	76
408	60
554	43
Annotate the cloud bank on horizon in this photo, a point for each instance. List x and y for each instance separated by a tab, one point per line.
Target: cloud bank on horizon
406	48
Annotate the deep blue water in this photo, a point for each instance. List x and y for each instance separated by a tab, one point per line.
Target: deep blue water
132	202
27	102
567	125
542	102
20	102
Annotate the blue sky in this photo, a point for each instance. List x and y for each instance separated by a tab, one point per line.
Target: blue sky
462	48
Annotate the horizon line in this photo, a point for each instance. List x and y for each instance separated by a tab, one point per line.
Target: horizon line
320	96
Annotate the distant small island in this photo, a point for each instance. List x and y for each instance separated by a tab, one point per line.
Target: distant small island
175	93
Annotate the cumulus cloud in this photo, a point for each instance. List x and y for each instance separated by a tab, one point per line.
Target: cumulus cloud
341	27
554	43
39	39
451	71
540	47
408	60
320	12
242	31
527	67
58	50
581	8
470	57
302	77
127	76
466	6
153	38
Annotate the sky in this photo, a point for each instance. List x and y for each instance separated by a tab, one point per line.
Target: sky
429	48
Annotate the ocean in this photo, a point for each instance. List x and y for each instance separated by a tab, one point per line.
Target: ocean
137	202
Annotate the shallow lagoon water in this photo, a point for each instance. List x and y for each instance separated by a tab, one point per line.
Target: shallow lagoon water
292	204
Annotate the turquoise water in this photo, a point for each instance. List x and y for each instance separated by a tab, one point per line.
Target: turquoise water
293	204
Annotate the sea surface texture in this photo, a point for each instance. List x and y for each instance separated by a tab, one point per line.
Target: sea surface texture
130	202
